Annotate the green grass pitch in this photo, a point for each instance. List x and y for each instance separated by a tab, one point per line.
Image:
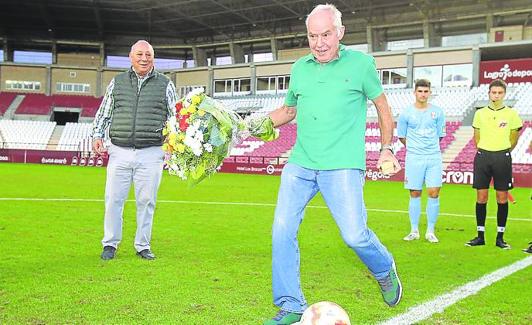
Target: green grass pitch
213	254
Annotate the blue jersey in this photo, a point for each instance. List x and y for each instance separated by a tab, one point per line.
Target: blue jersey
422	130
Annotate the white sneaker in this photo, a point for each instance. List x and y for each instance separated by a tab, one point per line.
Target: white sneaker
431	237
412	236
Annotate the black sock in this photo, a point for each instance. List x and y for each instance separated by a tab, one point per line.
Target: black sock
480	210
502	216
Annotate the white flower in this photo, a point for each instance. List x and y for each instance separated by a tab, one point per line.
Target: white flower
174	167
173	124
192	129
198	136
197	150
194	142
194	138
208	147
191	141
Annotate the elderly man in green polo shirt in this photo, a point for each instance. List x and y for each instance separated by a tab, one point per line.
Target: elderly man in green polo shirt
496	133
327	96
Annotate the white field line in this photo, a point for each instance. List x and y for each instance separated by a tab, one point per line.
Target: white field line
437	305
235	203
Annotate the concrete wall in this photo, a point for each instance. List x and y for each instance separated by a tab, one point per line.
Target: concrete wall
511	33
23	73
292	54
79	59
73	75
273	69
192	78
443	57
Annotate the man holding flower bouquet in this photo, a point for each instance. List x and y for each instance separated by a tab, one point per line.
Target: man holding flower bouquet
328	90
135	108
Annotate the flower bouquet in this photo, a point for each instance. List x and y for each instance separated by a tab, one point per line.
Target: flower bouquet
202	134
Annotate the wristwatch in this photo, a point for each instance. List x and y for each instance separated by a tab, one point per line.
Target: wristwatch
387	146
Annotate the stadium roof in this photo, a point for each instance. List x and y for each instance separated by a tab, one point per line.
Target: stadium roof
118	23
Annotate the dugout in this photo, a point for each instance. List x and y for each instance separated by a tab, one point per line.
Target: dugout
63	115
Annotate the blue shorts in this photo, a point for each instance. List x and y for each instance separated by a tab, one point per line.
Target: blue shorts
421	170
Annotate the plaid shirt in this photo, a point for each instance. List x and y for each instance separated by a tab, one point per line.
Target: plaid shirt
105	112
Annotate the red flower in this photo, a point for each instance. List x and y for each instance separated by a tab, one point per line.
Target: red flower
183	124
179	106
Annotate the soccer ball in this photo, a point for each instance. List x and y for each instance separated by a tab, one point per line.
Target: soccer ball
325	313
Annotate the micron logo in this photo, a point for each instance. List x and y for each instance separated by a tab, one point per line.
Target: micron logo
457	177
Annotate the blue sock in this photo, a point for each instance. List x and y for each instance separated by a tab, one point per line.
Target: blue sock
414	210
433	209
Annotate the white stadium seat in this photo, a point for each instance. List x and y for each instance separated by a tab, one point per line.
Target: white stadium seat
20	134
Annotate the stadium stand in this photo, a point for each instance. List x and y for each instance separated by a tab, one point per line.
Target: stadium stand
91	105
455	101
36	104
73	134
254	147
5	101
26	134
40	104
253	104
521	155
523	98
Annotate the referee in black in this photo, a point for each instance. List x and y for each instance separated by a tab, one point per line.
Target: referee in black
496	128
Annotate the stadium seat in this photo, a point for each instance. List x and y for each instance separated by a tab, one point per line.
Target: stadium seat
19	134
40	104
5	100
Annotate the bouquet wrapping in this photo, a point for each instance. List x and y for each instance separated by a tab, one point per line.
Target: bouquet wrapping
202	134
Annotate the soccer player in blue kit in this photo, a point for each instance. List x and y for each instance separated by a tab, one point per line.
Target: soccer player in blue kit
420	128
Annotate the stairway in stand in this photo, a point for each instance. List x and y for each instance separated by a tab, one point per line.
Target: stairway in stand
462	137
54	138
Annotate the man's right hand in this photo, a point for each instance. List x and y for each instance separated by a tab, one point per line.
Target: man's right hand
262	128
97	146
282	115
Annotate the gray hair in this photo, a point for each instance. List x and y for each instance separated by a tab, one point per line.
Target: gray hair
141	41
337	15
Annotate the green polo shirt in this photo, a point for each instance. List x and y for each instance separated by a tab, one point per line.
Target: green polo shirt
495	127
331	102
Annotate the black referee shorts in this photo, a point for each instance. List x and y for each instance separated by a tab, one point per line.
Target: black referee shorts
493	164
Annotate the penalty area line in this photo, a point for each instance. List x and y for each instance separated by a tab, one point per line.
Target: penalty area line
437	305
236	203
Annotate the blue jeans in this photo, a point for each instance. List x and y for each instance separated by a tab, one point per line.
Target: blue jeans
342	191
